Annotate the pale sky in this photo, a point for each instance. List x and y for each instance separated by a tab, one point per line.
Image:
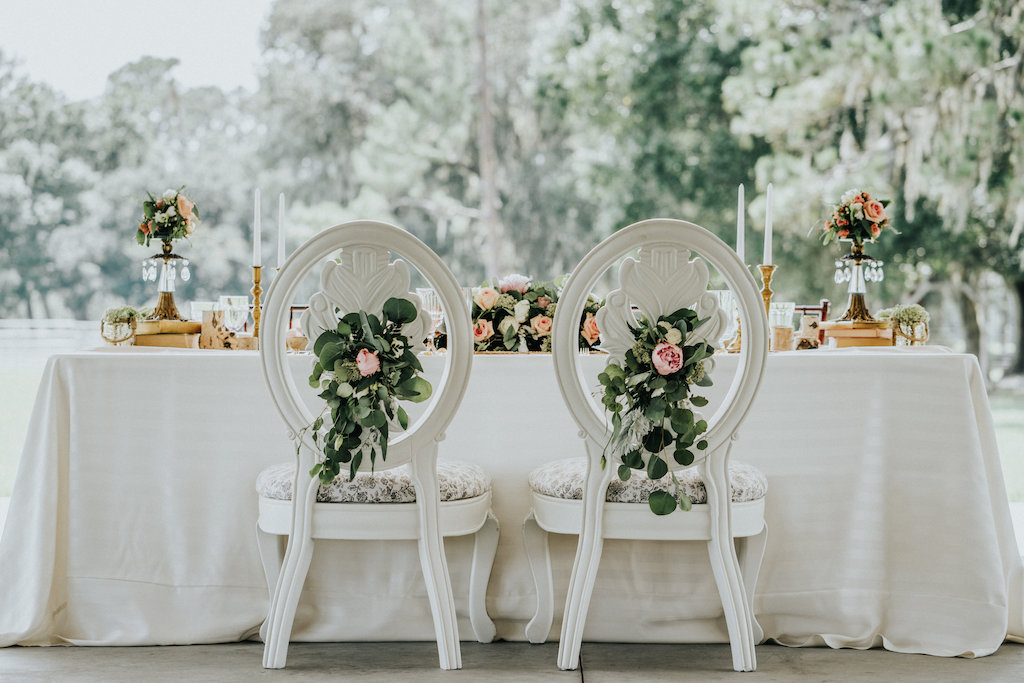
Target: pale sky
74	44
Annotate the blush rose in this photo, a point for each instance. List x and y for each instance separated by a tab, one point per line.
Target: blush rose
590	331
482	330
367	362
874	211
667	358
485	298
541	325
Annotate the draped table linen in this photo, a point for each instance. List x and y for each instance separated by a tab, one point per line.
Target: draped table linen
133	515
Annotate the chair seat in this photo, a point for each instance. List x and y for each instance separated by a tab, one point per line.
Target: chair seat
458	481
564	479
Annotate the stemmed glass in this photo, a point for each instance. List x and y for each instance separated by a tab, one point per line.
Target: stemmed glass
432	303
236	311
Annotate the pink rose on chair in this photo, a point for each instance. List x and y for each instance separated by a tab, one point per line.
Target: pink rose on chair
543	301
875	230
541	325
667	358
482	329
367	362
590	331
485	298
514	283
874	211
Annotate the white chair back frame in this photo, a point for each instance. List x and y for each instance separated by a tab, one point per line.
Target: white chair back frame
363	280
664	280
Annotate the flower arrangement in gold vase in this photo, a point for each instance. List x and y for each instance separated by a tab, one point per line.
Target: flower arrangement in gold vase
171	216
858	218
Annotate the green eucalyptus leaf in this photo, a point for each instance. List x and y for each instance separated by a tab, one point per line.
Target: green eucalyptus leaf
415	389
656	467
661	502
698	401
624	472
403	417
399	311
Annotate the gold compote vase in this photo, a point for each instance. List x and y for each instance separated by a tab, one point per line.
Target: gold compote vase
163	268
858	268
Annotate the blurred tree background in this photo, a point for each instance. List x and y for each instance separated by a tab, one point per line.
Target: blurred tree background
514	136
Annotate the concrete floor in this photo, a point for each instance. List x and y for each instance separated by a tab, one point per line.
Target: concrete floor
510	662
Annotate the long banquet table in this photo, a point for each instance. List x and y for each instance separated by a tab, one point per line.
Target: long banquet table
133	516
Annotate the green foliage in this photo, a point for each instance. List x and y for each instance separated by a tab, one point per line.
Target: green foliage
650	403
364	367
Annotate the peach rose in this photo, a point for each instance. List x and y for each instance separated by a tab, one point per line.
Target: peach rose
485	298
590	331
367	362
875	231
541	325
184	206
874	211
482	329
667	358
843	234
543	301
145	227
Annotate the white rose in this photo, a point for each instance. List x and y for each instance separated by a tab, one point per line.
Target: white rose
506	323
521	311
171	211
169	195
674	336
848	195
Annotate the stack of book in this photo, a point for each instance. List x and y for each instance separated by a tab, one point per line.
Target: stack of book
858	333
175	333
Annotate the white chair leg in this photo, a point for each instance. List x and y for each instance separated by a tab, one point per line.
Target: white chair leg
272	557
434	564
584	568
539	556
485	545
292	576
750	554
724	565
286	600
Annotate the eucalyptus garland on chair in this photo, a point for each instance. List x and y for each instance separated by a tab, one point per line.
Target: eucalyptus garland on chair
364	367
650	402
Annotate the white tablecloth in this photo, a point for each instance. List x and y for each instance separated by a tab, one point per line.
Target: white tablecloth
133	515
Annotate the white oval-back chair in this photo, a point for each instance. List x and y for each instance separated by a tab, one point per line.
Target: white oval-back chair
293	504
659	280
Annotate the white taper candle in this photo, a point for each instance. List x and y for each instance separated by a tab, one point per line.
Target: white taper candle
768	228
280	231
740	210
257	259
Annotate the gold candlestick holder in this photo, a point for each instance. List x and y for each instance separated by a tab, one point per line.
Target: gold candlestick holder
766	291
256	291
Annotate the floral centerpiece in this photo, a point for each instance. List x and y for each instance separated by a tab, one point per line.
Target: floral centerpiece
364	367
519	313
651	406
515	316
909	322
170	216
859	217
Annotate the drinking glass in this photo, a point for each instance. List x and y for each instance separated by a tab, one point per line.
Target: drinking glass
727	303
432	302
780	313
236	311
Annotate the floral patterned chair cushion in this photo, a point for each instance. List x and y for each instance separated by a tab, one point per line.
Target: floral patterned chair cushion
458	481
564	479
